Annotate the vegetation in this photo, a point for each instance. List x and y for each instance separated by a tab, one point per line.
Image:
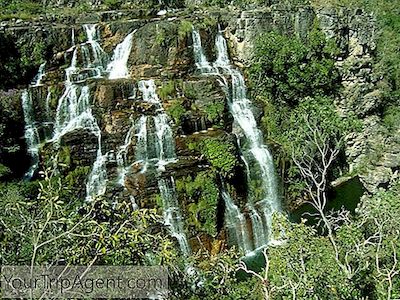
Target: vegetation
221	153
363	264
298	80
176	111
288	69
81	234
347	256
202	193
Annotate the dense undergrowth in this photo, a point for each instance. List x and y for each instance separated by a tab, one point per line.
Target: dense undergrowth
44	221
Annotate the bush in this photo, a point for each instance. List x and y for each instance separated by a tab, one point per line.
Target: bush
113	4
202	193
176	111
221	153
286	70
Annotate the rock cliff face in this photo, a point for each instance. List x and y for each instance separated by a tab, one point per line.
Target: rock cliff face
372	153
197	106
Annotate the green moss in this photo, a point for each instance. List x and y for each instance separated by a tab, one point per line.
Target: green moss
176	111
207	22
221	153
167	90
190	91
4	170
185	27
391	118
77	176
160	37
64	156
215	110
202	193
113	4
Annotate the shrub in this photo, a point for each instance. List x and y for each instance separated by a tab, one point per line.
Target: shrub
221	153
287	70
203	193
176	111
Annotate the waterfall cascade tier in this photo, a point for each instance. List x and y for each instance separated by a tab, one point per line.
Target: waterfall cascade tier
236	224
31	133
118	67
88	61
253	150
155	146
74	108
172	213
39	76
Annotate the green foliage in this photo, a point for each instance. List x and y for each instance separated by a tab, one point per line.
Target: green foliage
217	271
215	110
11	129
307	261
4	171
308	265
33	54
122	236
290	130
391	118
219	277
176	111
202	193
287	69
22	9
167	89
389	57
160	36
50	227
207	22
221	153
185	28
113	4
9	56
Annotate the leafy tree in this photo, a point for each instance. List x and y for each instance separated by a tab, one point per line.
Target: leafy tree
49	230
287	69
306	265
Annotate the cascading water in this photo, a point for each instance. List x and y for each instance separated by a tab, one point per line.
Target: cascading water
118	68
38	78
253	149
155	146
31	133
97	58
122	154
236	223
172	213
158	137
200	59
74	110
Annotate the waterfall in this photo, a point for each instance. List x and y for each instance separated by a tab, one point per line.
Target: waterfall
236	223
38	78
222	52
155	146
93	56
172	213
155	134
201	61
118	66
122	154
254	151
74	110
31	133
